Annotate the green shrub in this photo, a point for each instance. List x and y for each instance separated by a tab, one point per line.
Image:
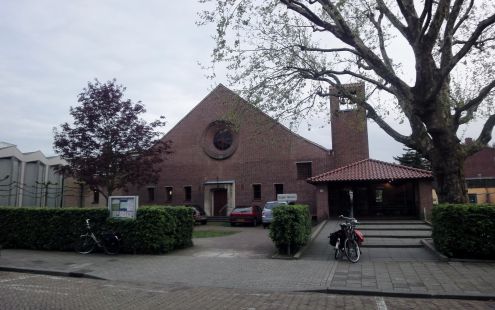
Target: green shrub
45	229
155	229
464	231
290	228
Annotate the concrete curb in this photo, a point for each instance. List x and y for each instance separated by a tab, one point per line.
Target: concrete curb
364	292
314	234
51	273
428	243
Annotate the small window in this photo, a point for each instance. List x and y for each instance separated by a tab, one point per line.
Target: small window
473	198
345	104
256	191
379	195
96	197
151	194
279	189
187	193
169	192
304	170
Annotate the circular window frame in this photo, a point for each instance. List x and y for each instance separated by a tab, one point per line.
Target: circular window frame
208	143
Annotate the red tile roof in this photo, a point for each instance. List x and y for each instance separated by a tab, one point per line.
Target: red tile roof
370	170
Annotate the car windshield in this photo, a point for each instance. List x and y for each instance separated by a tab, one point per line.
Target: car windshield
271	205
242	210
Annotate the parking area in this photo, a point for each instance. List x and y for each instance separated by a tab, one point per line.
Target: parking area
245	242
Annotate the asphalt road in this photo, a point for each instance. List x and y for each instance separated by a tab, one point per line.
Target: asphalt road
30	291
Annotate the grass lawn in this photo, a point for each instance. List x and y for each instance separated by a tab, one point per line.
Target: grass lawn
212	233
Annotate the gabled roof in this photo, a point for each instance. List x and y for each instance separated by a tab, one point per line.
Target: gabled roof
221	89
371	170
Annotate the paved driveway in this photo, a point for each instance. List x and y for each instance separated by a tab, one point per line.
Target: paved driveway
247	242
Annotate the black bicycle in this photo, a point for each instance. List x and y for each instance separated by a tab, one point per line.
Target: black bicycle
347	239
87	242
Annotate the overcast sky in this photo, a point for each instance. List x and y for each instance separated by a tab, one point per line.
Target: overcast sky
50	50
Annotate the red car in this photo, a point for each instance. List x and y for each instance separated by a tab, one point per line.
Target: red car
245	215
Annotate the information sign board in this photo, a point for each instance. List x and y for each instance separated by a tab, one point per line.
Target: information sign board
123	206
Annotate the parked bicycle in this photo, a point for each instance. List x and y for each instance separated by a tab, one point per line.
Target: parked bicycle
347	240
109	241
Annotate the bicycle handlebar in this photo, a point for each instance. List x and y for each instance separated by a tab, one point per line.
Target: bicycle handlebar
349	219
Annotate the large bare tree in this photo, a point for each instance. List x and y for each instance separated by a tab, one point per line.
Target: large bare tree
284	55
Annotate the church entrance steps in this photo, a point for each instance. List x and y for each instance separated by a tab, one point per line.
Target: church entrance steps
385	242
396	228
218	218
394	233
391	223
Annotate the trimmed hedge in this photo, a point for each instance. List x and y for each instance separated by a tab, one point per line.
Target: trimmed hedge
290	228
464	231
156	230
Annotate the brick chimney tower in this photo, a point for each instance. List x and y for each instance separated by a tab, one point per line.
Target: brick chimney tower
349	126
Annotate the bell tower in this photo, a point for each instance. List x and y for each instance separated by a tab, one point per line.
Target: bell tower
349	126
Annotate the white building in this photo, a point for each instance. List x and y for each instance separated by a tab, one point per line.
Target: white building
29	179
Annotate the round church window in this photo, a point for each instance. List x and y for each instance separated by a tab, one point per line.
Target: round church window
223	139
220	139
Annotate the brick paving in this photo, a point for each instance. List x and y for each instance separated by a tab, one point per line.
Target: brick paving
25	291
432	277
382	271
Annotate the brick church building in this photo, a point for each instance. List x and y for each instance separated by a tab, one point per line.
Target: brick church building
227	153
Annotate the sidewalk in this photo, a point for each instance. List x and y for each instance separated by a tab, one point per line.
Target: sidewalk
387	278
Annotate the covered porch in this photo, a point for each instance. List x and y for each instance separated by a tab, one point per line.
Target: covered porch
373	189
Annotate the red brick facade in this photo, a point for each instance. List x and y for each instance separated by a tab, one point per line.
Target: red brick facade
349	128
263	153
480	164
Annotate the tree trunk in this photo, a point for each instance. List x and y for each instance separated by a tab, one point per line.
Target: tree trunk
448	169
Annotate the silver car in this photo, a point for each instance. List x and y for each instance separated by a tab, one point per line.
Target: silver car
267	215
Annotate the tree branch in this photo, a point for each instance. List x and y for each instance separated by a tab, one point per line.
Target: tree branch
448	35
383	50
425	14
469	43
464	17
382	7
327	50
409	12
486	133
473	104
429	39
346	35
371	113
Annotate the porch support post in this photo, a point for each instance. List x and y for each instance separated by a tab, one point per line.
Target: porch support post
425	201
322	205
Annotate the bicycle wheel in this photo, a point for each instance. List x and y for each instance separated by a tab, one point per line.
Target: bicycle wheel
338	253
85	244
111	245
351	249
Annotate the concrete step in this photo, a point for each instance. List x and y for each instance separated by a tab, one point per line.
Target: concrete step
385	242
397	234
389	223
396	227
218	218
